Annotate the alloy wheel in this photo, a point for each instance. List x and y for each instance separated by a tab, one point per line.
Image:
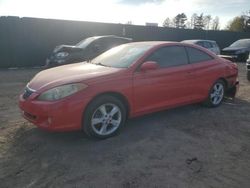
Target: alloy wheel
217	93
106	119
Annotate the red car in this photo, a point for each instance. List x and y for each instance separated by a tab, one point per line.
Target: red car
127	81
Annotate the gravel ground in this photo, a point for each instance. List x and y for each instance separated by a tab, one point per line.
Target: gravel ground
190	146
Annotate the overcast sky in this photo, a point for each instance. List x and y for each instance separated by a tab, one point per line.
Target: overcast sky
122	11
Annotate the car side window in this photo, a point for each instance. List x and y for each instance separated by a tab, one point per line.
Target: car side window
108	43
207	45
113	42
100	45
200	43
214	45
169	56
196	55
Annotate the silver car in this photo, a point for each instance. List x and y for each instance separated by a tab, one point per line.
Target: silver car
209	44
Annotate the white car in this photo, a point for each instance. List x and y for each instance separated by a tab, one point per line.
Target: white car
248	68
209	44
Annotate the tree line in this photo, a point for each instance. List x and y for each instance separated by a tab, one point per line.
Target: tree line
207	22
197	21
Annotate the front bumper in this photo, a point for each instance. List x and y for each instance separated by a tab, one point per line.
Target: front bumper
61	115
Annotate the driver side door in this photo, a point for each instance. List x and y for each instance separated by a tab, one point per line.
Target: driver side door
167	86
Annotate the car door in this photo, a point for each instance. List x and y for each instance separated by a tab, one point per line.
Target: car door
169	85
205	70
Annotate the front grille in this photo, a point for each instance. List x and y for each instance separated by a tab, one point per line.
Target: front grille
27	93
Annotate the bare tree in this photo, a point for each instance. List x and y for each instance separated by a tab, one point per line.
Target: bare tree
129	22
216	23
167	23
193	20
207	21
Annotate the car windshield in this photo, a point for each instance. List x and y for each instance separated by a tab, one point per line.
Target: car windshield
84	43
122	56
241	43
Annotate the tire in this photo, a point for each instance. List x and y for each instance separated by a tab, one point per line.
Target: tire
248	75
104	117
216	94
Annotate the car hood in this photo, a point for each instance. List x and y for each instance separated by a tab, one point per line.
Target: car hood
67	48
231	48
67	74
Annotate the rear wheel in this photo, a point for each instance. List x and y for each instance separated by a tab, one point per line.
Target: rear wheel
216	94
104	117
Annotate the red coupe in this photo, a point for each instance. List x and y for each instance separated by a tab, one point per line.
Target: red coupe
127	81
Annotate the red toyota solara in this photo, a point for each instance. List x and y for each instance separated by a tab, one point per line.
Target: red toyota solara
127	81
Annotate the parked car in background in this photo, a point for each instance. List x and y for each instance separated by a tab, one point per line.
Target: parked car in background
208	44
85	50
239	50
248	67
126	81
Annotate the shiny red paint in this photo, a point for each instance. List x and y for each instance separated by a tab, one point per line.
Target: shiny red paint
144	91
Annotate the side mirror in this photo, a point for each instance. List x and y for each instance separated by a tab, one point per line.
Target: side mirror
149	65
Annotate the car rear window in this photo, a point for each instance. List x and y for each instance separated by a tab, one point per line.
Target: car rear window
196	55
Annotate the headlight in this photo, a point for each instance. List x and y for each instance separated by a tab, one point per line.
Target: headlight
61	92
62	54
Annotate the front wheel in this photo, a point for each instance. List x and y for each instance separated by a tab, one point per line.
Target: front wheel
216	94
104	117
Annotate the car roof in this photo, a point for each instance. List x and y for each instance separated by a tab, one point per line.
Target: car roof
153	43
111	36
198	40
243	40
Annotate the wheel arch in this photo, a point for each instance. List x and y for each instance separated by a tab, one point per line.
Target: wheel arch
117	95
225	82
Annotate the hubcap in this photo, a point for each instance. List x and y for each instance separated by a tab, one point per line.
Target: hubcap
217	94
106	119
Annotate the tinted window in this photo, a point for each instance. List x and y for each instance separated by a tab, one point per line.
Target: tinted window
196	55
169	56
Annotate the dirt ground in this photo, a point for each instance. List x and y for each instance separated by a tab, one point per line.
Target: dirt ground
190	146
